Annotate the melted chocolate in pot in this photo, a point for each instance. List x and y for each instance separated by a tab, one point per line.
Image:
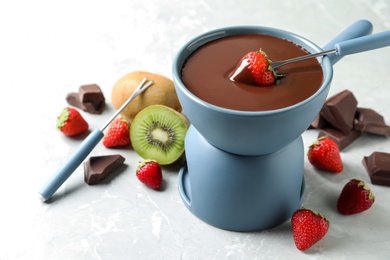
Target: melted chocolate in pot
206	74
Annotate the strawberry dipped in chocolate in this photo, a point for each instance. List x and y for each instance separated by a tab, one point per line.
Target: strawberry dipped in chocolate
255	69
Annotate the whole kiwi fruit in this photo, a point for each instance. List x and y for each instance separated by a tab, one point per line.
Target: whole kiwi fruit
162	92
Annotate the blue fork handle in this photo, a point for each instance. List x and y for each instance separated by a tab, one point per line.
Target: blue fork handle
365	43
358	29
71	164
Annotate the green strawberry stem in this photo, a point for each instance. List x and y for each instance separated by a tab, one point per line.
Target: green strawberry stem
62	118
364	186
316	213
270	68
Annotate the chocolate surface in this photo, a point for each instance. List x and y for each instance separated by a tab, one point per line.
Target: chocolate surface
97	168
368	120
341	139
90	98
90	93
339	110
319	123
73	99
378	168
343	121
206	74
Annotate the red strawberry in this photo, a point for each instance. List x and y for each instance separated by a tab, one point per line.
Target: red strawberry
118	133
149	172
255	68
70	122
308	228
324	154
355	197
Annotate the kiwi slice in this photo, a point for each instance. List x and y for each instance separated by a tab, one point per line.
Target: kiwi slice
157	132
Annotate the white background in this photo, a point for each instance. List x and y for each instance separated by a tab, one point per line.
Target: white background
50	48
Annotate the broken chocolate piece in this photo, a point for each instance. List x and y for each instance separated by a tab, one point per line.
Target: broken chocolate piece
378	168
341	139
368	120
90	93
339	110
90	99
97	168
319	123
73	99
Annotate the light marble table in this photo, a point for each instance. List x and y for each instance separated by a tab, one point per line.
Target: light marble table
50	48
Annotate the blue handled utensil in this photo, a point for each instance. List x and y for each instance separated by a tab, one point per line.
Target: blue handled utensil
360	44
357	29
84	149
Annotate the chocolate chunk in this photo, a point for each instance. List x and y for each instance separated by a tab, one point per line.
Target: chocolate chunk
90	99
74	100
94	107
90	93
341	139
319	123
340	110
368	120
378	168
97	168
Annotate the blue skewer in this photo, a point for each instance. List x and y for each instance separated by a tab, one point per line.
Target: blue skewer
83	150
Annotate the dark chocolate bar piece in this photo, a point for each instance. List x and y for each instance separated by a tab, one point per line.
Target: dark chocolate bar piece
90	93
378	168
319	123
73	99
341	139
90	98
97	168
368	120
339	110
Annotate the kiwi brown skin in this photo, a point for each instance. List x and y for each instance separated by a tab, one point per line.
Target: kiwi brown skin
162	92
140	134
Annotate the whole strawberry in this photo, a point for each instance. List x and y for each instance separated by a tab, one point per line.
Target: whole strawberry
355	197
308	228
149	173
324	154
255	68
71	123
118	133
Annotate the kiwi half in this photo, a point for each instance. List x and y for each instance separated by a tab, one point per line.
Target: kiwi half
157	132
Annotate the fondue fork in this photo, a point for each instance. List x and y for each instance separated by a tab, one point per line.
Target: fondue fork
361	44
84	149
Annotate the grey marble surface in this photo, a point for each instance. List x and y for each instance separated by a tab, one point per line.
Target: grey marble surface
50	48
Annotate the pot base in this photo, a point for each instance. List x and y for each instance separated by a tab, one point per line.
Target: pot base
241	193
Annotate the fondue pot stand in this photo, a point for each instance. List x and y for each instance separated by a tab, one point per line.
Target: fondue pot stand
241	193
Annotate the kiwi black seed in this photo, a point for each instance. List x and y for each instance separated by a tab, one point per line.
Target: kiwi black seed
157	132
